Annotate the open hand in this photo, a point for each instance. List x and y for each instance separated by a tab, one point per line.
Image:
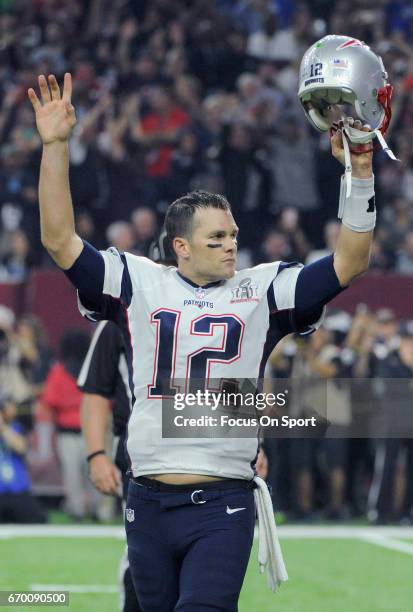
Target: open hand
55	115
105	476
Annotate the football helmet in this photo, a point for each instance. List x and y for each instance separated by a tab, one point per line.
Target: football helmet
338	72
160	250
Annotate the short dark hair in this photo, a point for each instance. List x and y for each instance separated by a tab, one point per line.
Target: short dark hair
179	216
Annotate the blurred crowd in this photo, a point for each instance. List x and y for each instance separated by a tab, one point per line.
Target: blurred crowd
348	473
40	424
356	374
173	95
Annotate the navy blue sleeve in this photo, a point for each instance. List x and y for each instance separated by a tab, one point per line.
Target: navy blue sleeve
103	282
317	284
87	274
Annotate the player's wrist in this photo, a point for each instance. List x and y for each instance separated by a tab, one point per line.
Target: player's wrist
95	454
358	212
363	171
55	144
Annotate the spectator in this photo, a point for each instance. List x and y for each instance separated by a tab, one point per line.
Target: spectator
187	91
397	221
255	95
381	259
18	182
275	247
17	504
85	227
251	15
318	359
36	355
53	49
120	235
13	381
398	364
88	173
142	75
245	174
404	263
158	133
144	226
272	43
385	332
60	402
213	112
293	157
187	163
331	232
16	263
289	225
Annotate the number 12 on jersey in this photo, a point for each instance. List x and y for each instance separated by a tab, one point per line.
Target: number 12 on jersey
198	361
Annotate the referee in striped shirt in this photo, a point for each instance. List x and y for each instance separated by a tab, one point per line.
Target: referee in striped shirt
104	382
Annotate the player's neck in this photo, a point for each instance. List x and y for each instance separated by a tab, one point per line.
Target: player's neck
196	279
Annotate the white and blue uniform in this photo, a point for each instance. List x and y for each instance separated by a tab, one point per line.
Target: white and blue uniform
176	332
189	545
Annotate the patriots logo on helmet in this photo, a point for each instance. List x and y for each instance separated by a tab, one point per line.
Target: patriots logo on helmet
354	42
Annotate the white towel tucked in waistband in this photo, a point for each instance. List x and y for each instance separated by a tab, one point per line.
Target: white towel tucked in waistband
269	551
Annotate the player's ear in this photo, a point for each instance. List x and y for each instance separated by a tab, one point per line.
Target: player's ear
181	247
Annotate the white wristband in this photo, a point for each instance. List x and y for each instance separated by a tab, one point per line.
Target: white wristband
358	211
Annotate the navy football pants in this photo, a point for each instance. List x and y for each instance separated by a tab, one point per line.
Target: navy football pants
188	556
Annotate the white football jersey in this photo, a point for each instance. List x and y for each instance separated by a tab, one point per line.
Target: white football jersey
175	330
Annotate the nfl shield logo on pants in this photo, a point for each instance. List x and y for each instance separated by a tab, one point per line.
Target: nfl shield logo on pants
130	515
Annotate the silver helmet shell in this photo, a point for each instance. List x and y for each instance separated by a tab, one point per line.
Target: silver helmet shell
340	70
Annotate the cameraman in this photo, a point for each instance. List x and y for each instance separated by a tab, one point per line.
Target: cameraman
17	504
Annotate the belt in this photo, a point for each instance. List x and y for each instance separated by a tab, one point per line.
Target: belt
196	493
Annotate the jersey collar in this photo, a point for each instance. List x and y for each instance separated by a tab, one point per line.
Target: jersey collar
207	286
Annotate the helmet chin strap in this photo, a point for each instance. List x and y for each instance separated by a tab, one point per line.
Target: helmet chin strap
351	135
358	137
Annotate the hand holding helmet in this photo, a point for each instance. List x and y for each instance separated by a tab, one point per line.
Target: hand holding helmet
361	155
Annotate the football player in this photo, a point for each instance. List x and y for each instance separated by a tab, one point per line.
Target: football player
190	510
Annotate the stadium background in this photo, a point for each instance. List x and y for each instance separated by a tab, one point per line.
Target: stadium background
173	95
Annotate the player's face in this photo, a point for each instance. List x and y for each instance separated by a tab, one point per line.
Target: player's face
212	247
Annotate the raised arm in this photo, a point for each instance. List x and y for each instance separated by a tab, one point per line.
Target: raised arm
351	257
55	119
305	291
